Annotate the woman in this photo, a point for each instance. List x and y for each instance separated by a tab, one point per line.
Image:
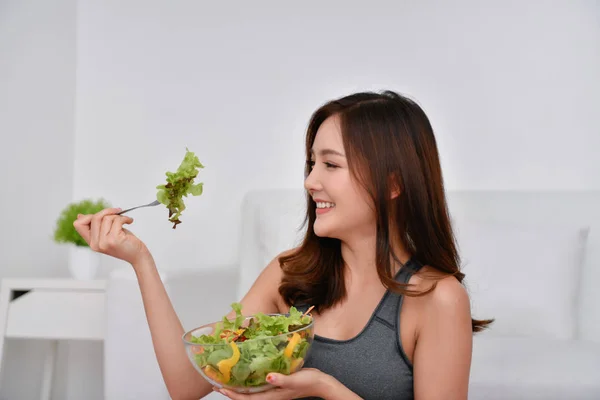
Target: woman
378	262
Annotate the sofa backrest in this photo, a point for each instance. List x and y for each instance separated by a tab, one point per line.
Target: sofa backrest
531	258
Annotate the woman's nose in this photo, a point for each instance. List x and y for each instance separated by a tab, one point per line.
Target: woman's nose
312	183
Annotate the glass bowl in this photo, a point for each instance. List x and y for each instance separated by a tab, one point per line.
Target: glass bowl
242	366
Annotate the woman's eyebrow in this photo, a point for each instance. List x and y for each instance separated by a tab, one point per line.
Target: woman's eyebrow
325	152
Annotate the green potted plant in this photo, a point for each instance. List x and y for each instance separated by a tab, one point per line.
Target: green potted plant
83	262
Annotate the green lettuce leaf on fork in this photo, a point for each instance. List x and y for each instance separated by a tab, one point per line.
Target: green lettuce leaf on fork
180	184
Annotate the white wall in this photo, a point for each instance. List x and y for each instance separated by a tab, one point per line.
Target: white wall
504	87
37	94
37	88
512	92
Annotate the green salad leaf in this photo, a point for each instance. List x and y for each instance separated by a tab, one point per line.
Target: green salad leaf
180	184
268	343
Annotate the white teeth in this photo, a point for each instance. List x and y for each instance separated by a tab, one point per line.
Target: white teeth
325	205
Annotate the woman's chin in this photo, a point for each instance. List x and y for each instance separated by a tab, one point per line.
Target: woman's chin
320	231
323	231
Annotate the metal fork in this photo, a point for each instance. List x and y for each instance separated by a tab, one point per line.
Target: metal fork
154	203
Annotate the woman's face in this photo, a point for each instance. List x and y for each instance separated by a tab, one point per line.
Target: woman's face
344	209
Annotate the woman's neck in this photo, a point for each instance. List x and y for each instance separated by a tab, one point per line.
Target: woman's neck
359	256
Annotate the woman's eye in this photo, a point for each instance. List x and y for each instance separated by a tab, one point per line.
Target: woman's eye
311	165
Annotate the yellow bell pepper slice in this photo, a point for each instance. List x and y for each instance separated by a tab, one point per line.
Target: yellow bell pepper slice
213	374
289	349
228	363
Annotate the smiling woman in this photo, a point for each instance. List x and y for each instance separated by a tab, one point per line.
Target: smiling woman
378	263
379	231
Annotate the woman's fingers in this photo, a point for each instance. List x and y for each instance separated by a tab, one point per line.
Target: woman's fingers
107	222
105	234
97	224
117	225
83	226
111	239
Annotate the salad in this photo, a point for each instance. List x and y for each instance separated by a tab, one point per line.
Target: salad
179	184
268	343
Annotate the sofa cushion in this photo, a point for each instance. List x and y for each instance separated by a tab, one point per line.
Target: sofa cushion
525	276
525	368
281	229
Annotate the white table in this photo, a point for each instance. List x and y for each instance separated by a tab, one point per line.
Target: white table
51	309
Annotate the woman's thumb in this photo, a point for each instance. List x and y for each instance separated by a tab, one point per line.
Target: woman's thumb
277	379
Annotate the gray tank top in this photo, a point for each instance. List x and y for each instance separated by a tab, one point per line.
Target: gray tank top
373	364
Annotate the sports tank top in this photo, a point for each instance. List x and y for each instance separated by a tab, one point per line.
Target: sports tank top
373	364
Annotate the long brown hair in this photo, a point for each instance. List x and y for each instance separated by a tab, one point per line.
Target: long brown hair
389	144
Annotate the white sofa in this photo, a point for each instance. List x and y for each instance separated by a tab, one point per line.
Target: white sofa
131	371
532	260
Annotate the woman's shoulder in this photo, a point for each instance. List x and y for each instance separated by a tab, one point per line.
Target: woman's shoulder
274	266
446	294
275	274
263	295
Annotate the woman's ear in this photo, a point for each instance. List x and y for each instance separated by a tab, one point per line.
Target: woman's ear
394	185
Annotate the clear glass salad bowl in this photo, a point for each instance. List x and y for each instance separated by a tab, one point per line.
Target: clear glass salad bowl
239	354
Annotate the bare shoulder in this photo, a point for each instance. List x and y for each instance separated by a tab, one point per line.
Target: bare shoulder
443	338
282	306
448	296
263	296
273	269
